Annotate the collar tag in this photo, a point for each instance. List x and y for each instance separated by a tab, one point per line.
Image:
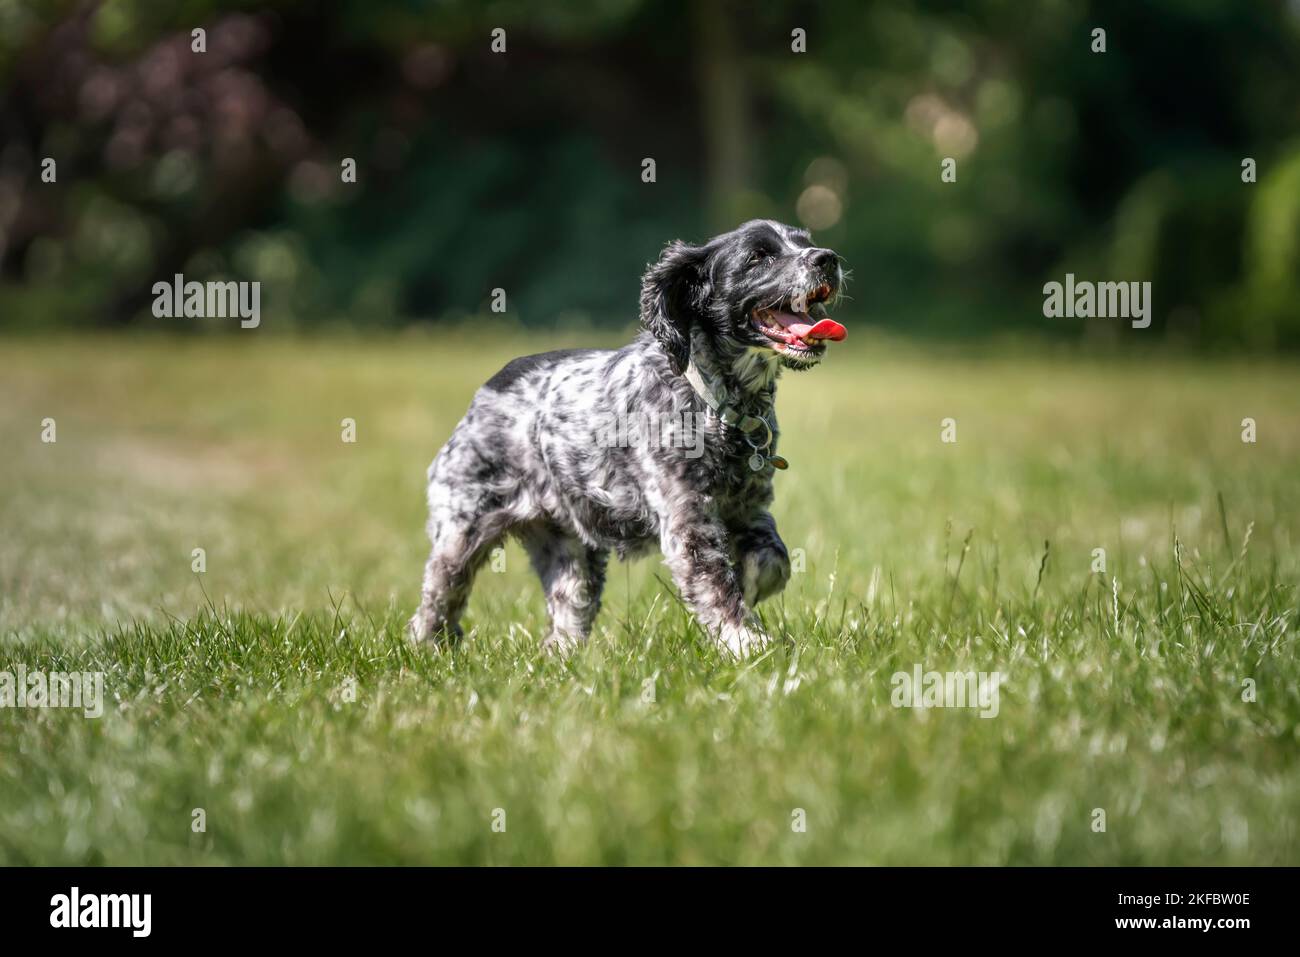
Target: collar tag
716	399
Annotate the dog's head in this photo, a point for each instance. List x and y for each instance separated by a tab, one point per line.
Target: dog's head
763	287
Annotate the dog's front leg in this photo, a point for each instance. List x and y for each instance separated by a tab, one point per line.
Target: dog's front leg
696	550
762	558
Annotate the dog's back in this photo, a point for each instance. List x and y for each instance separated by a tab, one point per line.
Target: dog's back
549	425
519	371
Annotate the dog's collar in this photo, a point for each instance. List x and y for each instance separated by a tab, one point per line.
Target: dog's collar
755	428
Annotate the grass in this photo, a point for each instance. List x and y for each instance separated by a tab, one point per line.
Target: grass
229	690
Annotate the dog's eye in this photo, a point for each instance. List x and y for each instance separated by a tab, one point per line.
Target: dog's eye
759	256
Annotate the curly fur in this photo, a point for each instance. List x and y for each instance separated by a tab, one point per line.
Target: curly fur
526	461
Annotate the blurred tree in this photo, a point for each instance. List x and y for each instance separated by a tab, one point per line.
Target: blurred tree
521	170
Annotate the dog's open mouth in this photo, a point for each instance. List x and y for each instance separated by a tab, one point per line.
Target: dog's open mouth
802	328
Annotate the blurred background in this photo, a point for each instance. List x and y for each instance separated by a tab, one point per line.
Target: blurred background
522	171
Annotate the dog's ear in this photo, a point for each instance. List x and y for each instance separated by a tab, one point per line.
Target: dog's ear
674	291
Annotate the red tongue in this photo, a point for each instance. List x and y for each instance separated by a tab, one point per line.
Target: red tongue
822	329
825	329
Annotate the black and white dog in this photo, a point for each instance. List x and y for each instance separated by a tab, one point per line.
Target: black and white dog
534	458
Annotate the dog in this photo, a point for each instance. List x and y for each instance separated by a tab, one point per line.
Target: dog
721	321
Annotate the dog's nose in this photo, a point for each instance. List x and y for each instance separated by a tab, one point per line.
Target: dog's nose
823	258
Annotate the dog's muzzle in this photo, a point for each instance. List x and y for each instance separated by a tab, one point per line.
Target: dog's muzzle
804	326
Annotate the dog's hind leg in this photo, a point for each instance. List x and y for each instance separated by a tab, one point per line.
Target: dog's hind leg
573	577
462	540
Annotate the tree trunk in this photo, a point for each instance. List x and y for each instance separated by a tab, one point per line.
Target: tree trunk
724	108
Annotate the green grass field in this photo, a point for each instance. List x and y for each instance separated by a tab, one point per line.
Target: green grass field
1127	691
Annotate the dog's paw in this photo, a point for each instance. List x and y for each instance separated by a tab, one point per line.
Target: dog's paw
763	573
424	632
742	641
558	643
